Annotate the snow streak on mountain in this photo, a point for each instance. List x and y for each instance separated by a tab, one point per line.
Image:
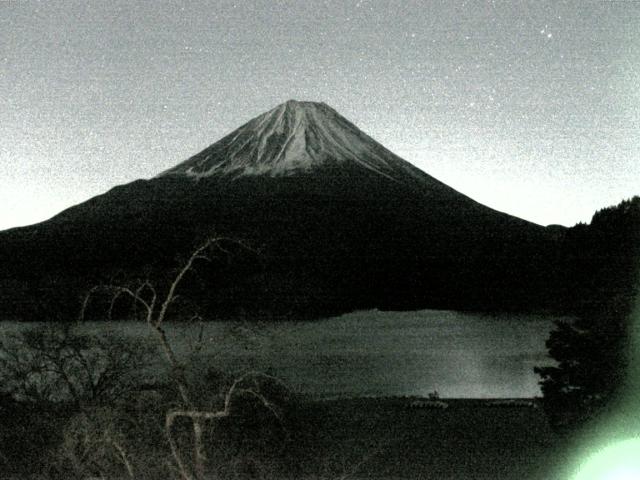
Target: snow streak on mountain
292	138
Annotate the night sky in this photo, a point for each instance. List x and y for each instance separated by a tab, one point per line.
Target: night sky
532	108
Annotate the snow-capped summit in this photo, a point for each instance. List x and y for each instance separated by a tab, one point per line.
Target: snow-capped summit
294	137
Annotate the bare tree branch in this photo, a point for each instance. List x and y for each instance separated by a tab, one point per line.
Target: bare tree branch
146	295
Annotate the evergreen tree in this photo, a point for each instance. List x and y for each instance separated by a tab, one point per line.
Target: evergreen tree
591	351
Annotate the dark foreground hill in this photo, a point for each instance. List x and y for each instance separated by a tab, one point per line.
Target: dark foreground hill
340	223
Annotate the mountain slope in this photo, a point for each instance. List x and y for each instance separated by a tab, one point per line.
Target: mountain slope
292	138
342	223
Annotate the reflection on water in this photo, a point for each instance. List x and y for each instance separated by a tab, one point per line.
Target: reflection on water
376	353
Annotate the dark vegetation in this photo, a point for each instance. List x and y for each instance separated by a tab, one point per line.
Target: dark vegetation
50	363
51	376
594	350
58	423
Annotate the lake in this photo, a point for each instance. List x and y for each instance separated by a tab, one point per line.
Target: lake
373	353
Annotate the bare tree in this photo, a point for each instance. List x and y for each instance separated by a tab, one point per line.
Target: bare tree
155	306
94	445
58	363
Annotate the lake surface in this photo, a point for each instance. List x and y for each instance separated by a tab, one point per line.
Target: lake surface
372	353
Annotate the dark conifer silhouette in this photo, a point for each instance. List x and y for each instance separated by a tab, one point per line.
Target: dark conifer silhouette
603	261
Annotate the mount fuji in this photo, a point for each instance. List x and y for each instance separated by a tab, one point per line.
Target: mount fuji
341	223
